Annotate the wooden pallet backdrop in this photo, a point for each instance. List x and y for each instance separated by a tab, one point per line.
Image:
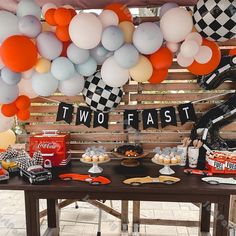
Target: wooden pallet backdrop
179	87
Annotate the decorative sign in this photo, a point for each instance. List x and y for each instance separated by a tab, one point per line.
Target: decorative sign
150	119
100	119
84	115
131	119
168	116
65	112
186	112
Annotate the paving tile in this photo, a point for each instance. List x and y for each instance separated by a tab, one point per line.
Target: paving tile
162	230
18	232
163	214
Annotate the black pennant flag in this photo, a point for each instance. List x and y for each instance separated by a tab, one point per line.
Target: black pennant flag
168	116
65	112
150	119
131	119
186	112
84	115
100	119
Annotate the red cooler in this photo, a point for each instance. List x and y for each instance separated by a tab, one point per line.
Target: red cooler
55	148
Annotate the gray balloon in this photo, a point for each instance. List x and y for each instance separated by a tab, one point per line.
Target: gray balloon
30	26
8	93
10	77
112	38
77	55
88	68
100	54
126	56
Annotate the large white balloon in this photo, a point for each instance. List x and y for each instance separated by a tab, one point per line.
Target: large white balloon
147	38
48	45
189	48
10	77
8	93
85	30
126	56
30	26
73	86
88	68
108	17
166	7
44	84
25	88
100	54
176	24
112	38
8	25
112	74
62	68
77	55
204	55
28	7
6	123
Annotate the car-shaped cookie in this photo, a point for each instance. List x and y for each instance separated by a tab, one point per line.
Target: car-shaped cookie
4	175
36	174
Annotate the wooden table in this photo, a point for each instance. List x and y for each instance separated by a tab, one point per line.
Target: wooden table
190	189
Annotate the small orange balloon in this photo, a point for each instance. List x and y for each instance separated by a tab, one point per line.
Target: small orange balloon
161	59
62	16
232	52
19	53
121	10
49	16
62	33
9	110
23	115
22	102
204	69
64	49
158	76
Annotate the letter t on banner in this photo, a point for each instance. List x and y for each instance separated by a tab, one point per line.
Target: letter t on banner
186	112
131	119
65	112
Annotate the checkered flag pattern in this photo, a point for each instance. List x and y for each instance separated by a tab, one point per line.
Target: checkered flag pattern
215	19
9	154
23	160
38	158
99	96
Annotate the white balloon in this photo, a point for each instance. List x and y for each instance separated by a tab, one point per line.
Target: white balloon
112	74
44	84
6	123
147	38
8	25
30	26
88	68
189	48
10	77
28	74
174	47
25	88
49	46
112	38
204	55
127	56
176	24
108	17
194	36
85	30
28	7
77	55
166	7
8	93
73	86
184	61
62	68
100	54
47	6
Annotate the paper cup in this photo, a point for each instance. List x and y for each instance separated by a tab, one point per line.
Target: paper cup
183	155
193	154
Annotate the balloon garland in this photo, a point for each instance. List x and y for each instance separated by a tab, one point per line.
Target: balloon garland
63	53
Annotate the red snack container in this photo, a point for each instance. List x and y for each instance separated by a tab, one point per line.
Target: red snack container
230	165
54	147
216	165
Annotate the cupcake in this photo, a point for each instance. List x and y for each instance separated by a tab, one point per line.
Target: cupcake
174	160
160	159
95	159
87	158
166	160
101	158
178	158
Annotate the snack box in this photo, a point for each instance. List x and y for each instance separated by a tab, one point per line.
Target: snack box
221	162
54	146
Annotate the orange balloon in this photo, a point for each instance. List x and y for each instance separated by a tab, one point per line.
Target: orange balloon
22	102
64	49
121	10
161	59
9	110
158	76
49	16
72	12
19	53
232	52
62	33
23	115
204	69
62	16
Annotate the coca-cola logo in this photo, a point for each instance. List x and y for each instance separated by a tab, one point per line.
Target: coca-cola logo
48	145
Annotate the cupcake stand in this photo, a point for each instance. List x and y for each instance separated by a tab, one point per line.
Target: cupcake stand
166	170
95	169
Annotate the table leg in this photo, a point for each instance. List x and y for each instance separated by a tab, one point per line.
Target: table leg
32	214
205	217
53	213
124	217
221	217
136	218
